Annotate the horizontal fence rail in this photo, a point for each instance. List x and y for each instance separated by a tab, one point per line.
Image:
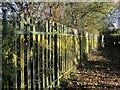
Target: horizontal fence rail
40	54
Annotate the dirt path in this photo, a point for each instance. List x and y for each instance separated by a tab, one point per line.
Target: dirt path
101	72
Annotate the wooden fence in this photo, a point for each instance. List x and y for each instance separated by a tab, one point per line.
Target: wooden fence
38	55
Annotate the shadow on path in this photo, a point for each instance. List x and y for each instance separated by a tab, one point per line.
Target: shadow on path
101	72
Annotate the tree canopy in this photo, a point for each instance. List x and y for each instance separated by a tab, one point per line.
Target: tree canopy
86	16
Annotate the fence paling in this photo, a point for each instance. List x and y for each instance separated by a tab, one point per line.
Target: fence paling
71	51
63	53
59	51
5	27
82	45
22	52
75	50
64	40
89	44
65	49
28	56
43	65
15	47
62	50
39	62
47	58
86	44
50	51
92	41
55	55
34	59
4	22
58	54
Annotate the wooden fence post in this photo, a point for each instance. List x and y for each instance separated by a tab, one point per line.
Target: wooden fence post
71	62
62	32
43	61
28	55
46	53
79	43
75	46
49	59
34	56
89	43
60	50
58	53
39	59
94	42
86	44
92	45
15	47
4	21
102	41
50	53
82	46
65	52
4	31
55	55
63	64
22	51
